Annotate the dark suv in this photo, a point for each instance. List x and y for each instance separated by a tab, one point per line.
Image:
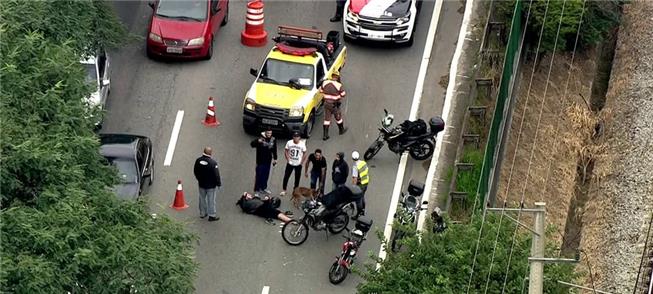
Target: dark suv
132	156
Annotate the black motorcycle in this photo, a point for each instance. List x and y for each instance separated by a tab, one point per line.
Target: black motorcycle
407	214
318	217
342	265
411	136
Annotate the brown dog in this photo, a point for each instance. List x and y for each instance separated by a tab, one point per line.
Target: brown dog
302	192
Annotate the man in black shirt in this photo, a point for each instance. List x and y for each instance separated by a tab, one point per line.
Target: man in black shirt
318	172
262	207
208	178
339	171
266	157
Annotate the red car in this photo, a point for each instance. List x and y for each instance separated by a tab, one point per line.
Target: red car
185	28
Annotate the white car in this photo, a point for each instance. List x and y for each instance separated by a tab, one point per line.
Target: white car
381	20
98	73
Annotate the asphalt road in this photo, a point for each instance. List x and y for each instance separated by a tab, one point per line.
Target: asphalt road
240	253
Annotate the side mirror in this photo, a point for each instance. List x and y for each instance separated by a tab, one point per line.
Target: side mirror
151	4
214	7
105	83
253	72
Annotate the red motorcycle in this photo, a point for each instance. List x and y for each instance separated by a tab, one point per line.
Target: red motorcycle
342	266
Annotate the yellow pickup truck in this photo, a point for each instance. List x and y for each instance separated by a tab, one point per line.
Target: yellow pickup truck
284	95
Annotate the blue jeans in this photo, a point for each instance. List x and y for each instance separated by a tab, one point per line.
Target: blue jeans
207	202
262	176
316	177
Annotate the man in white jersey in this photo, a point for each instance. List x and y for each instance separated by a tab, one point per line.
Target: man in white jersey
295	153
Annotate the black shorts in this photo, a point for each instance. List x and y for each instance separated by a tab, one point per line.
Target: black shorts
267	211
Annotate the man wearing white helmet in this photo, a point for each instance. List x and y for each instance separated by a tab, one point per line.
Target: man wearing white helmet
360	177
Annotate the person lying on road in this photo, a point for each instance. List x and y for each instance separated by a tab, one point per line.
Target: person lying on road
266	207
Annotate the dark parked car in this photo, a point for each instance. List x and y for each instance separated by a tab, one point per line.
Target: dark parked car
132	156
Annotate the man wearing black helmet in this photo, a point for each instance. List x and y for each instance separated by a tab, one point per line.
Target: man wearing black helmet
339	171
266	207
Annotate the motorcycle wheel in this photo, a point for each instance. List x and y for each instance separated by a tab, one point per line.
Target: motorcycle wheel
294	233
422	150
337	273
395	245
339	223
373	149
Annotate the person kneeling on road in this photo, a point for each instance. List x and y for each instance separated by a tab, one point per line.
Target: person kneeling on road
341	195
266	207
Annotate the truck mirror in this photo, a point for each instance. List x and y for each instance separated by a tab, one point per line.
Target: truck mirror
253	72
151	4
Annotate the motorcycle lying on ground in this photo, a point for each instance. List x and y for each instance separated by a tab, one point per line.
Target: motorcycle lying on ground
319	218
410	205
342	266
411	136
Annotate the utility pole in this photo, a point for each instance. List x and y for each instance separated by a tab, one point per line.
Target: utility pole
537	259
536	276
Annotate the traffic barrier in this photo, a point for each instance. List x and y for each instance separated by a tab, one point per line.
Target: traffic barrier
254	34
179	203
210	120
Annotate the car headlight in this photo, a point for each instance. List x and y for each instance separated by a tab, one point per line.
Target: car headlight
250	104
156	38
196	41
296	111
352	15
403	19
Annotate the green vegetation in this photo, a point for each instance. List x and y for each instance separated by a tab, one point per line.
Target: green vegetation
467	180
62	229
599	17
442	263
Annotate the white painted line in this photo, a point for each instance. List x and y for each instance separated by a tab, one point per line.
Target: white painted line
453	71
417	97
266	290
173	138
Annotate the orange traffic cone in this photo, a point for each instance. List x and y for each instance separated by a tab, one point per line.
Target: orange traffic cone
211	120
179	203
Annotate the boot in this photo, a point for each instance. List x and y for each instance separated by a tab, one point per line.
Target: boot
326	133
341	128
336	18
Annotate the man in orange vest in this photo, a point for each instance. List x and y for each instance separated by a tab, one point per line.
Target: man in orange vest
333	95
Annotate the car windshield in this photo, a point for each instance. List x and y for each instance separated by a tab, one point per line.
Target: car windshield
126	170
91	73
183	9
281	72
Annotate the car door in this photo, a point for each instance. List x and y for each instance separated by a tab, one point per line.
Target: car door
320	75
217	10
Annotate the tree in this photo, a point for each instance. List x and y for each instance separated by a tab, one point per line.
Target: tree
442	262
62	229
598	18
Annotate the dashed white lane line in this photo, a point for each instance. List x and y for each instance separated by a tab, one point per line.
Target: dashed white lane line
173	138
266	290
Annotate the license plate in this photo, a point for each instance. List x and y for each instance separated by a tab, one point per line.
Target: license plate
177	50
270	121
375	36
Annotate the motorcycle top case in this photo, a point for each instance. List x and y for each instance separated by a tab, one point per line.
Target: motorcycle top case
364	224
415	188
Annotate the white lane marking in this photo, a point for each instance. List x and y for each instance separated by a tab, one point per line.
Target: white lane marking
417	96
173	138
266	290
421	218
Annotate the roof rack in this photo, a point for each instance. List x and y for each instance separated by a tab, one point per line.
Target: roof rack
299	33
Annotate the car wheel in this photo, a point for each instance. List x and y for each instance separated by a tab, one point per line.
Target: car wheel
251	130
210	53
309	125
226	17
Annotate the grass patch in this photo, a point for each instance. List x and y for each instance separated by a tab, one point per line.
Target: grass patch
467	180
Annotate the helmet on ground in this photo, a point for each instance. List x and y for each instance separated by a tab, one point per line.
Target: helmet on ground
355	155
276	202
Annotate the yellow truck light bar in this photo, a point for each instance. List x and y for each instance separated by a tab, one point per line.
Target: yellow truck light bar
300	33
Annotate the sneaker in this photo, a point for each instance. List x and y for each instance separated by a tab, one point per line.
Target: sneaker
267	191
202	216
269	221
288	213
212	219
256	194
283	193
